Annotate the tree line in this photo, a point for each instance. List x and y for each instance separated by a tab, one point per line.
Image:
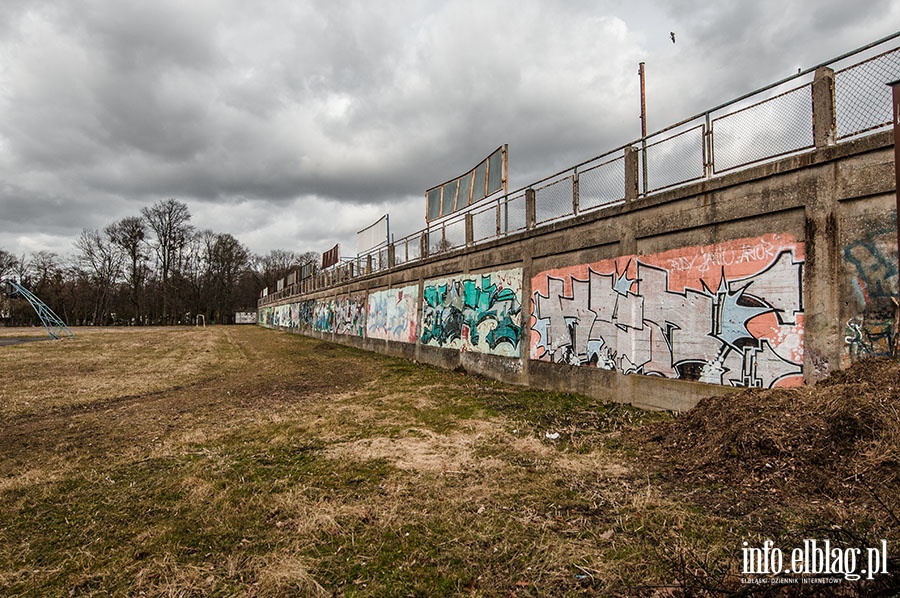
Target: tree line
152	269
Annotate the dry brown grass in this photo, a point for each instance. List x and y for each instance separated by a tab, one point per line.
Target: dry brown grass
102	364
240	461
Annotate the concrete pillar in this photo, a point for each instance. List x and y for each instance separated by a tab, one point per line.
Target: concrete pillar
423	244
470	230
369	263
530	210
631	174
824	126
575	195
391	256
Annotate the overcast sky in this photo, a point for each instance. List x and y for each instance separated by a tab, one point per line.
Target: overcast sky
292	124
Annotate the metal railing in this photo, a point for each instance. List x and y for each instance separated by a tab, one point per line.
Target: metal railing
766	124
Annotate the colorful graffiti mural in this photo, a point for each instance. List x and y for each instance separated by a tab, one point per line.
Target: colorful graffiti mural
392	314
729	313
871	272
350	315
479	312
293	316
323	316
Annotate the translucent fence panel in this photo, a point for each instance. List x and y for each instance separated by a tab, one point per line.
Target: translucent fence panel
862	98
676	159
554	200
413	248
512	214
767	129
455	233
601	184
373	235
435	239
484	223
400	252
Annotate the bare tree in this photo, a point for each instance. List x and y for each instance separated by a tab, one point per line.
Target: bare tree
228	260
46	270
129	235
278	263
7	263
101	259
169	220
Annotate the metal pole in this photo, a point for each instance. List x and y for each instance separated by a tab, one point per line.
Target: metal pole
643	127
895	89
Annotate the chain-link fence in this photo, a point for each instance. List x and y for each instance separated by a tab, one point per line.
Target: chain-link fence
862	100
775	121
513	214
455	233
773	127
408	249
485	223
601	184
674	159
554	199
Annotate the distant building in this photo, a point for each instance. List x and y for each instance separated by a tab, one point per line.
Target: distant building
245	317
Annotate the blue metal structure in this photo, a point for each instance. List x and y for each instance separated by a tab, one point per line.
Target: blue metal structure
53	324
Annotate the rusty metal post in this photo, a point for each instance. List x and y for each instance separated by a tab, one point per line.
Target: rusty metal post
643	126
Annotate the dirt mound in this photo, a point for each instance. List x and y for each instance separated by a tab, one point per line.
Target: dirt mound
839	439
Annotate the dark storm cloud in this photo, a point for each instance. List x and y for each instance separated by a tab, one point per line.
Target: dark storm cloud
300	122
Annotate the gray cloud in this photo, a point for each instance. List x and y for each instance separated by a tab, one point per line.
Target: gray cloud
294	124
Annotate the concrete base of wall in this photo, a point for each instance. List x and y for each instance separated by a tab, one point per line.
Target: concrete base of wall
646	392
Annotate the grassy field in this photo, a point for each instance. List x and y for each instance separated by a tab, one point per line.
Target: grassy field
239	461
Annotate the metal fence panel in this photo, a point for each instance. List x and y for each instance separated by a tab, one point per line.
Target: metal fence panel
602	184
554	200
676	159
455	233
448	202
495	171
512	214
484	224
773	127
862	98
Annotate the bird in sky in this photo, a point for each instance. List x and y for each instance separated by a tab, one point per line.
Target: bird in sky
672	35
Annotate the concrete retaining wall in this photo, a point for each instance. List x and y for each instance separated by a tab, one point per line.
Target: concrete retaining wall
771	276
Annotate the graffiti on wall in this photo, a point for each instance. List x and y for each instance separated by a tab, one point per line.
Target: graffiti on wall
729	313
293	316
323	316
306	312
478	312
392	314
871	271
350	315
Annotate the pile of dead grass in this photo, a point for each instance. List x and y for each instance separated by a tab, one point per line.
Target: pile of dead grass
839	439
819	461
